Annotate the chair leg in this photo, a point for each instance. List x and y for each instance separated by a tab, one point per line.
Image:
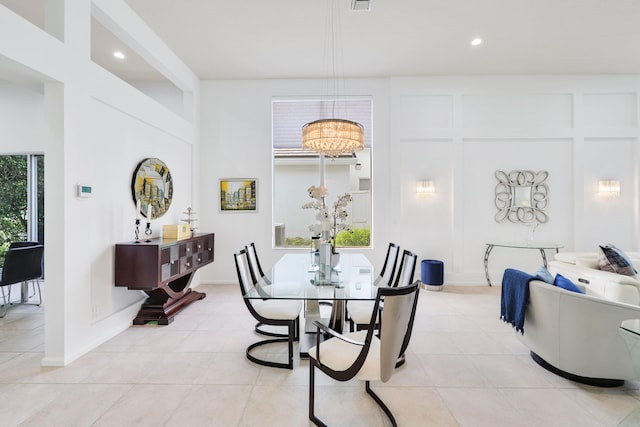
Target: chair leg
262	362
267	333
312	416
39	292
293	329
380	403
292	333
4	300
35	283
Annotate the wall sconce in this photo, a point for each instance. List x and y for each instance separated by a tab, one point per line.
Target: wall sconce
609	187
424	187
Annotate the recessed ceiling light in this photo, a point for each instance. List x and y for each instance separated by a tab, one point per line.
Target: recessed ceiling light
477	41
118	54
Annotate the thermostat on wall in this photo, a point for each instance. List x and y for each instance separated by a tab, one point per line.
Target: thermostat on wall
84	191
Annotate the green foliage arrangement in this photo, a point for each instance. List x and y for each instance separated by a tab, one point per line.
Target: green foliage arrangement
297	242
356	237
13	204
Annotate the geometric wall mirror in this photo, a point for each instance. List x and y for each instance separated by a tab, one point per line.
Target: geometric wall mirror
522	196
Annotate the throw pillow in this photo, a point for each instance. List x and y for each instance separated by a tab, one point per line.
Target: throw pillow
564	283
616	261
544	275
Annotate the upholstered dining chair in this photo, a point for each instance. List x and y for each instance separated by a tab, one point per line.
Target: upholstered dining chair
254	264
362	355
407	269
255	268
21	264
389	266
404	278
35	282
268	312
359	312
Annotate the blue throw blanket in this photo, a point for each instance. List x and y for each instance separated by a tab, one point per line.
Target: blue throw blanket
514	297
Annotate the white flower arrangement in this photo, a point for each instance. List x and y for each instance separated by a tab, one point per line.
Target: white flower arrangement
330	221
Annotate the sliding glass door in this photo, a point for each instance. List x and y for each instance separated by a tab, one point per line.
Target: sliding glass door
21	199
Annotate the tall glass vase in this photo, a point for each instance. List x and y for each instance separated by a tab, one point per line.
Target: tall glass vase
324	265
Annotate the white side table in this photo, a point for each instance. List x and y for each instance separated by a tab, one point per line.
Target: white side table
539	246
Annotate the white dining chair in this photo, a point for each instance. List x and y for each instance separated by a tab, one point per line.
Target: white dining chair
362	355
359	312
276	312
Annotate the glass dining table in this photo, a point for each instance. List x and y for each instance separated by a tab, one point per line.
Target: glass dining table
296	276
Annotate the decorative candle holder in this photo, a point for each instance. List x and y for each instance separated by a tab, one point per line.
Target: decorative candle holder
137	230
148	231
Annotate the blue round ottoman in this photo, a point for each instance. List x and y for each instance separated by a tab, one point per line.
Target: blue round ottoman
432	274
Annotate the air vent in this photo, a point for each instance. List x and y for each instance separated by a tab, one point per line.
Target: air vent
361	5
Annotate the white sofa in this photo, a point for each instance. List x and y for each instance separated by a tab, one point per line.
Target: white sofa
577	336
582	269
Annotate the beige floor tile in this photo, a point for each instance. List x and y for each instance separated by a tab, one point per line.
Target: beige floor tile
230	369
452	371
336	406
416	406
145	405
177	368
464	367
551	408
482	407
211	406
607	406
77	405
21	401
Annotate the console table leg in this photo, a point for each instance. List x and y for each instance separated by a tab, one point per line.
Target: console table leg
544	258
486	263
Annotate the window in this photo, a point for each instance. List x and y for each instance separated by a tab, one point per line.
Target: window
295	170
21	200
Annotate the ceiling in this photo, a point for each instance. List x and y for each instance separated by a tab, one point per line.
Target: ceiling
257	39
226	39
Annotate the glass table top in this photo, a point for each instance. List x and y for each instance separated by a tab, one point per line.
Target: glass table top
526	245
295	277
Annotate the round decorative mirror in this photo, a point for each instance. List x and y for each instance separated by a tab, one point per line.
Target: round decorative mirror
152	185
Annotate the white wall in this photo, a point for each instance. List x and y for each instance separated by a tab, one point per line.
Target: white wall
21	127
456	131
93	129
236	142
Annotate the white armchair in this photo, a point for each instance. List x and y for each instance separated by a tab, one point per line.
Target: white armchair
577	336
583	268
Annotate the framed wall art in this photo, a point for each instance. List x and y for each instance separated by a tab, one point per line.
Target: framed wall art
152	185
238	195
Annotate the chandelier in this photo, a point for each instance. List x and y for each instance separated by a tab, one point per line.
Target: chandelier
333	137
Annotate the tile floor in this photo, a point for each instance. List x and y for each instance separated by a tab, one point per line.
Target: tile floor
464	368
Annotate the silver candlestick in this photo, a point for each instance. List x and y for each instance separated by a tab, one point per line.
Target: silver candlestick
137	230
148	231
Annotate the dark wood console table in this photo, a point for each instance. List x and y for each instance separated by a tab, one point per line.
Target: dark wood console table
163	268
